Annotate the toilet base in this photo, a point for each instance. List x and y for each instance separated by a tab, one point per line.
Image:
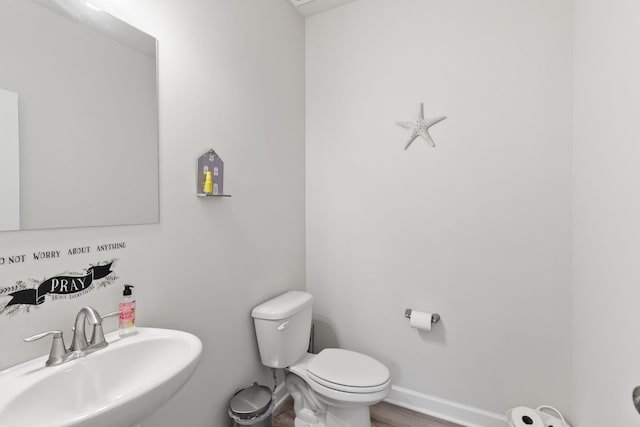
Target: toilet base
348	417
299	423
315	411
340	417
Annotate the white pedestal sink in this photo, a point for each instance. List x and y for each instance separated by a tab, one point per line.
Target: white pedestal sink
117	386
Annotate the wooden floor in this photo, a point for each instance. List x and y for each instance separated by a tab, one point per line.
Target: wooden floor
382	415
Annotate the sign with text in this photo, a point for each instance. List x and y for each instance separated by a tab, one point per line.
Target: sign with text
23	295
49	254
61	285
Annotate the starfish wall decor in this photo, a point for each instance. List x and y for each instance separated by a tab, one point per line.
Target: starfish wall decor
420	127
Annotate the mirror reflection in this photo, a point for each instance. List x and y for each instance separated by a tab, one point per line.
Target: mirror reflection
78	118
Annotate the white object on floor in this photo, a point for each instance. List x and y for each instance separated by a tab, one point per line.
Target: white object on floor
549	420
527	417
524	417
333	388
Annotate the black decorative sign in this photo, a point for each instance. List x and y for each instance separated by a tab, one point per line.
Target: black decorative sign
60	285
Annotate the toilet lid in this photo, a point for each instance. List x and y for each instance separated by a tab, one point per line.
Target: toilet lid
348	368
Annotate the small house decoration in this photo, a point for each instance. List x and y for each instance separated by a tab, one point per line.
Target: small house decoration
210	175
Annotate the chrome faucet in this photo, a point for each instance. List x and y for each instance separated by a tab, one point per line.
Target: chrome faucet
80	346
80	342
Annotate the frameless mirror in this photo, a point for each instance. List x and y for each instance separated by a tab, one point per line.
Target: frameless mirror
78	118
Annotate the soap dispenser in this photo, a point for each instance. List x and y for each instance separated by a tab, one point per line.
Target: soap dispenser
127	308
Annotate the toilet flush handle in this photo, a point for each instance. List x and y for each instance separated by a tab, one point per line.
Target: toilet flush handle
283	325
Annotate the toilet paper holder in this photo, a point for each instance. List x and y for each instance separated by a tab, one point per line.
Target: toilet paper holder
435	318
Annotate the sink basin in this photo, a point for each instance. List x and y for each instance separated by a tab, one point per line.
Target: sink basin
117	386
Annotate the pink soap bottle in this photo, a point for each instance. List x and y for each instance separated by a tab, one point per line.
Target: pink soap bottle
127	308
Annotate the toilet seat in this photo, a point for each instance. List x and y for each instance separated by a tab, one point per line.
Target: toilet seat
349	372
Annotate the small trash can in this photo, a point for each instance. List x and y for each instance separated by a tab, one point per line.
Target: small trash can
252	406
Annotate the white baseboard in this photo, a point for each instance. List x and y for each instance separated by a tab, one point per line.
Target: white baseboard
445	409
434	406
281	394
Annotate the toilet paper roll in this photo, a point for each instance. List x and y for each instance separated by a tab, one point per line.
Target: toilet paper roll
420	320
524	417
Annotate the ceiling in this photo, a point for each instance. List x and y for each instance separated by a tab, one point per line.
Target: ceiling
311	7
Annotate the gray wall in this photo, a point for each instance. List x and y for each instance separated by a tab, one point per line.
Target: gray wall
606	212
231	78
477	229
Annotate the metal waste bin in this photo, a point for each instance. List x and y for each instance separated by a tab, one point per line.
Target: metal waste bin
252	406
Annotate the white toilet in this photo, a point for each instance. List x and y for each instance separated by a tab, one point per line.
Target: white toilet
331	389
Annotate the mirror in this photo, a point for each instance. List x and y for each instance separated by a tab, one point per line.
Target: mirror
78	118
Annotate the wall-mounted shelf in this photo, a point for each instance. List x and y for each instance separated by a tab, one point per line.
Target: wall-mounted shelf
210	175
213	195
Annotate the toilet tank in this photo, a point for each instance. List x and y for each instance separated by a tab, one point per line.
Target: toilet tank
283	328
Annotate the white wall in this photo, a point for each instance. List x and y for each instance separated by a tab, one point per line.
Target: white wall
477	229
232	78
606	212
9	161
